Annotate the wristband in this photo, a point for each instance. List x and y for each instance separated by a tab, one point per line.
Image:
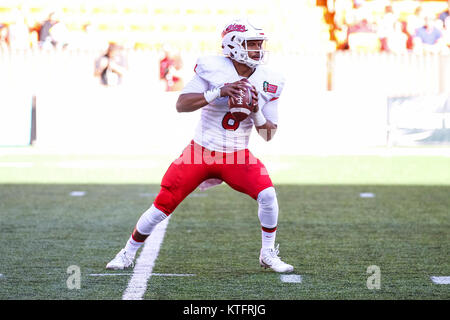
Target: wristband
211	95
258	118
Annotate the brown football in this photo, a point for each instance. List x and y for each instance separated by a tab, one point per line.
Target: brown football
241	107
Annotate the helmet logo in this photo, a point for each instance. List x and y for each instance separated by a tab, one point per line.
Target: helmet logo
234	27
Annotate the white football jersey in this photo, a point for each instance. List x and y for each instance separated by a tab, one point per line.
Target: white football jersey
217	130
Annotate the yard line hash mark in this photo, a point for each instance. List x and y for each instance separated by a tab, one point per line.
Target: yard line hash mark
291	278
441	280
78	193
367	195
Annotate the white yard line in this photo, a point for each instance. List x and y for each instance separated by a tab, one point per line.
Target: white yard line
77	193
441	280
291	278
367	195
145	263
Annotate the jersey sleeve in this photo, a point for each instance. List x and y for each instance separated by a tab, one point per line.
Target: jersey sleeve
271	92
196	85
215	70
270	111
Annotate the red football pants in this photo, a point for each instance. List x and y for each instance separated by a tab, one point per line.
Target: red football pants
241	170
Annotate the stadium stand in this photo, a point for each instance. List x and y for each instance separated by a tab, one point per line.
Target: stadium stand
366	25
310	32
146	24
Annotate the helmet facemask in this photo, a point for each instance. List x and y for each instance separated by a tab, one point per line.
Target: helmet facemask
261	57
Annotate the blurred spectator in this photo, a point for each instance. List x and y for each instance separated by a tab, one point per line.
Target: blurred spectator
362	36
386	26
340	27
35	27
169	70
354	26
111	66
19	33
53	33
396	39
444	15
446	33
428	38
415	21
4	37
45	39
358	12
362	26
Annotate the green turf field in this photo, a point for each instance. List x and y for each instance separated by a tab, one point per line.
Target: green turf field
326	230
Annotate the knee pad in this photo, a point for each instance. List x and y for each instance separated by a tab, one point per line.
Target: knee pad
166	201
268	208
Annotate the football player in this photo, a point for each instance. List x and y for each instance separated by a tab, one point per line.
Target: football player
219	150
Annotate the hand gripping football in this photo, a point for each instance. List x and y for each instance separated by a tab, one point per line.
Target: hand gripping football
241	106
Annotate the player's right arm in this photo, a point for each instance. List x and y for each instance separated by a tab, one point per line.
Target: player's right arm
196	94
188	102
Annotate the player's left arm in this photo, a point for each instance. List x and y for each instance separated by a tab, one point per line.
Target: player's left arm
267	130
265	122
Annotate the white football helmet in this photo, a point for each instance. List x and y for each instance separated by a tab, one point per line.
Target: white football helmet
234	42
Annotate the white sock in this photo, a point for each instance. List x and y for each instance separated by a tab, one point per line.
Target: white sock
145	225
149	219
268	239
132	246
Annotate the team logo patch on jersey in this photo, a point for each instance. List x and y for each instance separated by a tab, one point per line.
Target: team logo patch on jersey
271	88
